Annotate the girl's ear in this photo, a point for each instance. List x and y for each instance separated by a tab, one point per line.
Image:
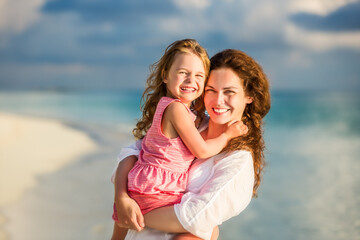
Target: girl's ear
249	100
165	80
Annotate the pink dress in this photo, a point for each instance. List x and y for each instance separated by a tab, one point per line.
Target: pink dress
160	175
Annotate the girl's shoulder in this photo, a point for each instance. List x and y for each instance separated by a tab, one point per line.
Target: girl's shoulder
166	102
175	107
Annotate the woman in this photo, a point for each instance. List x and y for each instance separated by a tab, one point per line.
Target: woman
222	186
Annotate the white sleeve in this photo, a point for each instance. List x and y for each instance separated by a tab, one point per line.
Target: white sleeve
133	149
223	196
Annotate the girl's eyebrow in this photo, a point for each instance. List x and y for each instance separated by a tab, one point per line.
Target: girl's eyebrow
181	68
184	68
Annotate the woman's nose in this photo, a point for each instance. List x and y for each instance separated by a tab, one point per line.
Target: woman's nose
220	98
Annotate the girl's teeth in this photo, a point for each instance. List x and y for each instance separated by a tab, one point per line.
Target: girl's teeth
222	110
188	89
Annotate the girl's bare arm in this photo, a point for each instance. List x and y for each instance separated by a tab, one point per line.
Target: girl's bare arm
129	213
180	119
164	219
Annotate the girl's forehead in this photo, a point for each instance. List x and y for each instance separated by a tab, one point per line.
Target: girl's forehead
188	59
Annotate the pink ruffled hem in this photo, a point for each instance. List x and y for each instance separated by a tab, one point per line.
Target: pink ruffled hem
149	179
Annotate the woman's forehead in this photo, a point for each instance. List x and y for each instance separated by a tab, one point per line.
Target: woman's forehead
224	78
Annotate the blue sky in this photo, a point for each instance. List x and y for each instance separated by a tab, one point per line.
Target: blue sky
109	44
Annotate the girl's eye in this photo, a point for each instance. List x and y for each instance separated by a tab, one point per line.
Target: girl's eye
182	73
209	90
199	75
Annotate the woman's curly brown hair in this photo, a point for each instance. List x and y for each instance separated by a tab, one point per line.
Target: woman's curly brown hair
256	86
156	88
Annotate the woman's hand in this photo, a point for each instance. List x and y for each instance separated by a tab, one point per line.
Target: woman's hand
235	129
129	214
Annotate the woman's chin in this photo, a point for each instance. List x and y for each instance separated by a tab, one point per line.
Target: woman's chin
220	120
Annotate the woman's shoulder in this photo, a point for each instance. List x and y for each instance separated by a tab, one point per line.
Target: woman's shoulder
234	160
243	155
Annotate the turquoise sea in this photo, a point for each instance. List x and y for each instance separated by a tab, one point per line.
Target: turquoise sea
311	185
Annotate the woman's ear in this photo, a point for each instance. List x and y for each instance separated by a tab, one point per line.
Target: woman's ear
165	81
249	100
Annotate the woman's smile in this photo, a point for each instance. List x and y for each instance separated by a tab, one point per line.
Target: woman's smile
220	111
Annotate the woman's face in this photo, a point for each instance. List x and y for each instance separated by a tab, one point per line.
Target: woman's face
225	99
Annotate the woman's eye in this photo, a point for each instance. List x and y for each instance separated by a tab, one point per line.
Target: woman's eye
209	90
182	73
229	92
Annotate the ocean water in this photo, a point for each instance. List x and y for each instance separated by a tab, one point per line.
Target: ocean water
119	109
311	184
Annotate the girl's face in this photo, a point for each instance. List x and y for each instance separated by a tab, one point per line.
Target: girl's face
225	99
186	78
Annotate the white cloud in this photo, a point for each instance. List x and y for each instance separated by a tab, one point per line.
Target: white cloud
261	19
320	7
190	4
258	22
185	25
320	40
16	15
299	59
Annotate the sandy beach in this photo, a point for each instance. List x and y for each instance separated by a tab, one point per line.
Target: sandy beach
31	146
49	173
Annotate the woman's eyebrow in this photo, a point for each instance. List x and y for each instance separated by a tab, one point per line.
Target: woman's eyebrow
231	87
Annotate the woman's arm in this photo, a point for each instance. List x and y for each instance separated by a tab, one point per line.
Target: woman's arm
224	195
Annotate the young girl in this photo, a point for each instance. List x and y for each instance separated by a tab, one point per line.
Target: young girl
172	141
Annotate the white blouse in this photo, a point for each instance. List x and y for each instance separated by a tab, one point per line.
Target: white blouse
219	188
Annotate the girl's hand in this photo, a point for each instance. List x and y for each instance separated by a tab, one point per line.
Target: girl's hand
235	129
129	214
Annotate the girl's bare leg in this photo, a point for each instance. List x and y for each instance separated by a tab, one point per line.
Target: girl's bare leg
185	236
119	233
189	236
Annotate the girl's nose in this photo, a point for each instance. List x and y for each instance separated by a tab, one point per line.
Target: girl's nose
190	78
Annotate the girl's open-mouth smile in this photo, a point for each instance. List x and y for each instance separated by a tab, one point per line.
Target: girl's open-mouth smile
188	89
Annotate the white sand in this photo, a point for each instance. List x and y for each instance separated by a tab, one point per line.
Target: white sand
31	146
